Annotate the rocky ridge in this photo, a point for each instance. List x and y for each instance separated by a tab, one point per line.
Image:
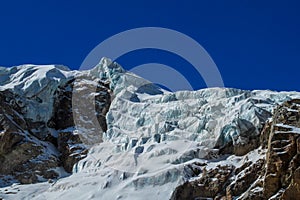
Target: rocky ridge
43	145
274	175
122	136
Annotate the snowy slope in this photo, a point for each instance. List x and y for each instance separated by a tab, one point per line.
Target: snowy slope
37	83
152	134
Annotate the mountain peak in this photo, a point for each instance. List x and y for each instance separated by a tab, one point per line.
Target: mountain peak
121	134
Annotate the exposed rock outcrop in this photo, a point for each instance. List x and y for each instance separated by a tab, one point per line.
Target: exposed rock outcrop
215	143
275	175
210	184
33	149
22	155
283	158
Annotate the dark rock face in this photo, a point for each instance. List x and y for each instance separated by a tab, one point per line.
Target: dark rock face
33	150
62	116
90	105
246	175
22	155
209	185
71	148
275	175
71	145
283	158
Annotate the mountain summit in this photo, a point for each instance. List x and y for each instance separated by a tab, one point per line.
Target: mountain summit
106	133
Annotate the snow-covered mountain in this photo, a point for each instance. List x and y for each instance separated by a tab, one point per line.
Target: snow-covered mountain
123	137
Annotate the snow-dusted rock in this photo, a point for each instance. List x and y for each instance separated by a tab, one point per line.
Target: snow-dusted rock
143	142
38	134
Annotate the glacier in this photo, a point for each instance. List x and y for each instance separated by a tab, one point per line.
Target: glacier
152	134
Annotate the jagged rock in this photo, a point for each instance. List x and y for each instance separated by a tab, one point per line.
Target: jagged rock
19	152
282	157
71	148
209	185
275	175
33	147
25	159
281	139
293	190
62	116
245	176
152	140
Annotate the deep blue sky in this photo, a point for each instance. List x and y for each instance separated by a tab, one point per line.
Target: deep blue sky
255	43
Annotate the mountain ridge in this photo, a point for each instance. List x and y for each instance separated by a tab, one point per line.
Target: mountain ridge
123	137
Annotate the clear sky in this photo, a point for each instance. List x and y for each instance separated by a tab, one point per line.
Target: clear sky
255	43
